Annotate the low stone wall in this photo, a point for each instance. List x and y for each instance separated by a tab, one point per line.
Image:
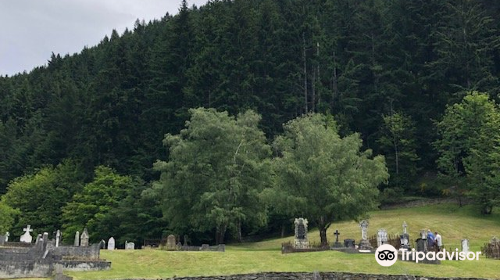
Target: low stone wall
85	265
310	276
24	269
40	259
88	253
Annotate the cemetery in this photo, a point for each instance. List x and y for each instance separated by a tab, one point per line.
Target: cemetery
350	251
41	257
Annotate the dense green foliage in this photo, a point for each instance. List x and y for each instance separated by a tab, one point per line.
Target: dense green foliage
470	148
385	69
216	170
324	177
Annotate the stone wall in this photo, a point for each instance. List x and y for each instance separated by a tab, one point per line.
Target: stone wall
40	259
88	253
310	276
9	269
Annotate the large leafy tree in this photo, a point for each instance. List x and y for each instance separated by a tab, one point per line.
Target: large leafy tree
92	207
469	148
216	169
322	176
39	197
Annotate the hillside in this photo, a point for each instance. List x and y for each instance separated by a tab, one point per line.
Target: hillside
89	139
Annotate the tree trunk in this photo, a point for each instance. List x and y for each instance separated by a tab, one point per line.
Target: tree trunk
318	80
335	87
219	234
240	236
304	58
323	226
323	237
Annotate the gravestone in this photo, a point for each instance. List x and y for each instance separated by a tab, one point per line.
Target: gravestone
421	245
205	247
129	245
337	243
405	241
77	239
185	240
102	244
301	241
364	244
111	243
381	237
171	242
422	241
84	238
38	238
465	245
58	238
404	238
7	234
349	243
26	237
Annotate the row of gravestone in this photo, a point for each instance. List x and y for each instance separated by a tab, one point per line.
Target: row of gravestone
27	238
301	241
79	241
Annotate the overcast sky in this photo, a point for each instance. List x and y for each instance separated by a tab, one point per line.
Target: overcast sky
30	30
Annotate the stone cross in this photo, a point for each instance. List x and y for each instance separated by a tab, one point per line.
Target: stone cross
84	238
111	243
58	237
336	233
404	227
364	229
77	239
7	234
26	237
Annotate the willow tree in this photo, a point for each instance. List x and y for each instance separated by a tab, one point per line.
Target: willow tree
216	169
322	176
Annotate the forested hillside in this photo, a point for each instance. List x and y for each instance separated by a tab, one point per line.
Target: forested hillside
385	69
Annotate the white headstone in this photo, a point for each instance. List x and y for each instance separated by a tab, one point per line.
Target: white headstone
26	237
129	245
77	239
405	226
381	237
7	234
58	237
465	245
111	243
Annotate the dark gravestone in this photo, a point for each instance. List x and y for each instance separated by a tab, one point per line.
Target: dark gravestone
349	243
421	245
301	241
301	231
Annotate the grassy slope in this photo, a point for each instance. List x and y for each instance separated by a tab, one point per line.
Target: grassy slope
454	224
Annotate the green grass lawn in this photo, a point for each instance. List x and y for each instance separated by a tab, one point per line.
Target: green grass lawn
452	222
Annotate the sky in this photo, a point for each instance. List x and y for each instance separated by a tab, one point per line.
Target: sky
30	30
